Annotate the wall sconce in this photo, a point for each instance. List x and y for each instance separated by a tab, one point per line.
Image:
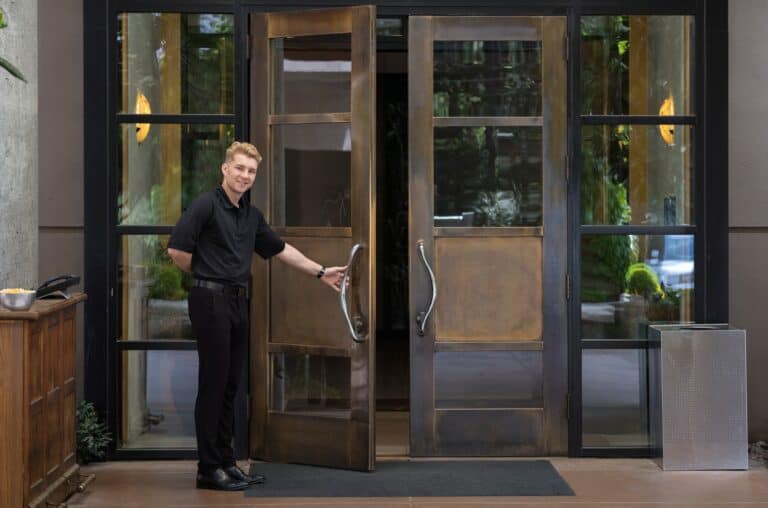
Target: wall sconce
142	108
667	109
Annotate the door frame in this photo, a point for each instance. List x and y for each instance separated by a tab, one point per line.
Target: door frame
551	30
295	432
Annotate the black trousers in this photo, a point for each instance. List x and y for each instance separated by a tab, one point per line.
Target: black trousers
220	323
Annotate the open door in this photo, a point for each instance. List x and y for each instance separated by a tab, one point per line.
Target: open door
487	248
312	350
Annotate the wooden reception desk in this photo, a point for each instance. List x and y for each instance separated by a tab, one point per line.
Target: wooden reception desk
37	403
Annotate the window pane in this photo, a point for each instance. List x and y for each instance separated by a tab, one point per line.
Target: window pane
487	78
312	74
494	379
614	398
173	165
488	176
636	65
312	171
637	174
153	292
158	393
629	282
175	63
310	384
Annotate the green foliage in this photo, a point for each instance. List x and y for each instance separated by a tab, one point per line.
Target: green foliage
497	209
5	64
642	280
167	282
92	435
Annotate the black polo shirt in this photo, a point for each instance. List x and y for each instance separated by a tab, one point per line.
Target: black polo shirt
222	237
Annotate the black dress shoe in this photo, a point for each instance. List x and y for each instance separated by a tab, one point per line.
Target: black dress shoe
240	475
218	479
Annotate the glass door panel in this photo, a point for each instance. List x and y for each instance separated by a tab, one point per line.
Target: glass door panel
312	95
488	235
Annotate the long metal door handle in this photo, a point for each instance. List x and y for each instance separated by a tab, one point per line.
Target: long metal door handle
353	330
422	317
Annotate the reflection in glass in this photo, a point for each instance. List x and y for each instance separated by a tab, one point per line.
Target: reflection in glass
158	393
181	63
636	65
488	176
308	383
631	281
630	175
495	379
487	78
312	171
162	175
390	27
614	395
311	74
153	291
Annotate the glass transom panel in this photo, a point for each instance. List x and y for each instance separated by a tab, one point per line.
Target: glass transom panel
175	63
311	74
487	78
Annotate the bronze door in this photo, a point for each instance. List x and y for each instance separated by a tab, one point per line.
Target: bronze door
312	114
487	120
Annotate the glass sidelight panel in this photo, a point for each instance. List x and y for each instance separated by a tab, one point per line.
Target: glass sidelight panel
158	399
161	174
153	292
312	171
615	400
308	383
175	63
636	65
493	379
311	74
487	78
631	281
488	176
637	174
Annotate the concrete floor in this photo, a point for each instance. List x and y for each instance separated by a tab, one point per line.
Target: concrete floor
604	483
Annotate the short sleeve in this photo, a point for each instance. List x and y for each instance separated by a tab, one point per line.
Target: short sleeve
267	243
187	230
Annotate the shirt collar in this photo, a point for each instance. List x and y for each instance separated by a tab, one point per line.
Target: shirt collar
225	199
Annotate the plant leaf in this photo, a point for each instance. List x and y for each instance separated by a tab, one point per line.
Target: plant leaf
3	22
8	66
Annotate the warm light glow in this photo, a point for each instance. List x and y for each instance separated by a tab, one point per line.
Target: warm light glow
142	108
667	131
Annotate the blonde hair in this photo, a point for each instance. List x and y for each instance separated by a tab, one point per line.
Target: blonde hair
244	148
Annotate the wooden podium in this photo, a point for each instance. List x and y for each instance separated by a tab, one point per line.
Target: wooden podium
37	403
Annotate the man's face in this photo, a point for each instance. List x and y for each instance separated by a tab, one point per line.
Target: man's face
240	172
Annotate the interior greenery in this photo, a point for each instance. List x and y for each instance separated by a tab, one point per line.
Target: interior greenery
91	432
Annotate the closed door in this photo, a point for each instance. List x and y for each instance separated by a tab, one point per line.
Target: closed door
312	94
487	235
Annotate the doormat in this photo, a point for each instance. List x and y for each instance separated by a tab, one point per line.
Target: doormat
413	479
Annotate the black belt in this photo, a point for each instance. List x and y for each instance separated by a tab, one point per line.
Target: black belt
227	289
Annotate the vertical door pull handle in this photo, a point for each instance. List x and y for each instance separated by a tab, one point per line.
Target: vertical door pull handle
355	330
422	317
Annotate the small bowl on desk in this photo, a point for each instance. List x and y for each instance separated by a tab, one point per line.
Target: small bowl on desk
17	298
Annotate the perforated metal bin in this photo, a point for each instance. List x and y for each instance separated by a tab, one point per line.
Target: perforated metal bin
697	376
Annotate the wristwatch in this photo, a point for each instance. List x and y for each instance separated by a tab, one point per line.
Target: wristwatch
320	274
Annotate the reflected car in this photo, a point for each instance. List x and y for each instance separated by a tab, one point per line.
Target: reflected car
673	263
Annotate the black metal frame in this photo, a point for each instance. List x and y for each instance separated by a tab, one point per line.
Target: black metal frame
710	187
103	375
101	119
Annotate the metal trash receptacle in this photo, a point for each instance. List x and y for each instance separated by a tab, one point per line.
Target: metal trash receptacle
698	396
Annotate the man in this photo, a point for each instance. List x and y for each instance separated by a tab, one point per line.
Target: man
215	240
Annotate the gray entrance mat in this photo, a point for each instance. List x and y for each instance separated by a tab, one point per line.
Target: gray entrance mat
413	479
